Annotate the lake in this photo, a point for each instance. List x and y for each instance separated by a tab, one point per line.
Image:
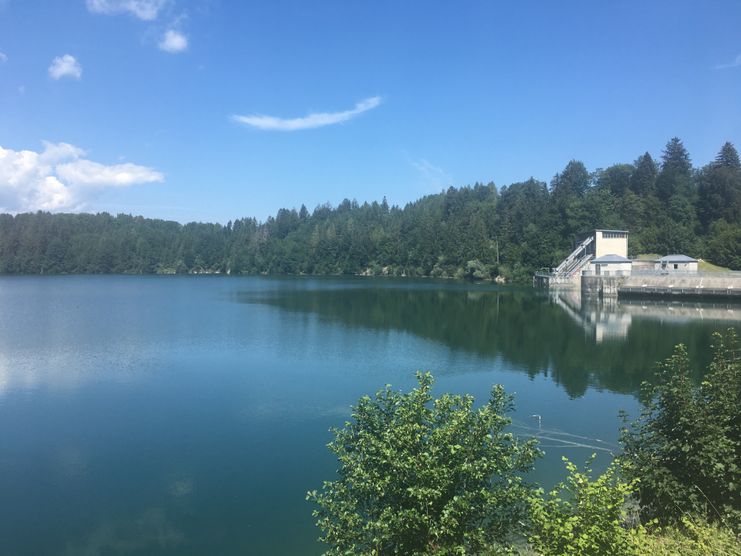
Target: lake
189	415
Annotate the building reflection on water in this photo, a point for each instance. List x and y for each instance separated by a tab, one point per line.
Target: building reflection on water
611	318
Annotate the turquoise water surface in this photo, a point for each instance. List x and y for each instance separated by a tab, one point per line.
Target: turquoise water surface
189	415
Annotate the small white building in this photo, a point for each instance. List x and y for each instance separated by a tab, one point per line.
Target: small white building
676	263
610	265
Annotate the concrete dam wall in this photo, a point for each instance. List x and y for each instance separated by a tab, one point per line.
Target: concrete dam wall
702	285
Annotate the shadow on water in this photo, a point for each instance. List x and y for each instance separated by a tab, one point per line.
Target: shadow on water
578	343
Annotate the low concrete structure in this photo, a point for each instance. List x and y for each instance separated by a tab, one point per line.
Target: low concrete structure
643	265
601	286
609	265
697	285
676	264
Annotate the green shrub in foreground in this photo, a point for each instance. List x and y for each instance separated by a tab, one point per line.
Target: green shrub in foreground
584	516
686	447
690	538
422	476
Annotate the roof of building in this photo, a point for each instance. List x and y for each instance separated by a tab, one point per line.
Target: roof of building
611	259
677	259
620	231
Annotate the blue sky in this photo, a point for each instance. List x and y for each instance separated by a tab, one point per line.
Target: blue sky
213	110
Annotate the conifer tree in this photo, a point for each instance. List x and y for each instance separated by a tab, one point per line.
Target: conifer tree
643	179
728	157
676	171
720	189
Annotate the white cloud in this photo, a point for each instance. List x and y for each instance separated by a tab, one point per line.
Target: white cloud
58	178
3	57
173	42
318	119
147	10
734	64
65	66
433	177
94	174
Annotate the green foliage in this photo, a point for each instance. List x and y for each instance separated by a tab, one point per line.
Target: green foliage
675	177
719	189
724	245
643	179
476	270
423	476
584	516
686	447
690	538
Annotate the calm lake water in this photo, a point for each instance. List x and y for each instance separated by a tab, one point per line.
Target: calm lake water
189	415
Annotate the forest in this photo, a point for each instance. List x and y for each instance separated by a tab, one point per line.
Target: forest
477	232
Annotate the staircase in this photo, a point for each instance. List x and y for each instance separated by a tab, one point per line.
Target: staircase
576	260
570	268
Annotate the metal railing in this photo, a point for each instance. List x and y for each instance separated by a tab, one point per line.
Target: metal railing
577	265
574	254
606	273
686	273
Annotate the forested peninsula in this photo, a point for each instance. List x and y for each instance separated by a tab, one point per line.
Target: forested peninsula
478	231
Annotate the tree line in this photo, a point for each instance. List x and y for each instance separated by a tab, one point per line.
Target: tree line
477	231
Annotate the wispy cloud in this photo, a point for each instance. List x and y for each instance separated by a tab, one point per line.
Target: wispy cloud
59	178
3	57
734	64
173	42
65	66
147	10
433	176
310	121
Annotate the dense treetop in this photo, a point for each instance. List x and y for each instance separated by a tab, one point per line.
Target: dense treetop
474	231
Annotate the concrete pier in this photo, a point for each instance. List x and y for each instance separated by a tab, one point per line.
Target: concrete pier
698	285
601	286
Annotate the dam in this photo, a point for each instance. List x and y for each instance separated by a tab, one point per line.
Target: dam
599	267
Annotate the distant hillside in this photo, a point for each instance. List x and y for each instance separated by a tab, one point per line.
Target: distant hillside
476	232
